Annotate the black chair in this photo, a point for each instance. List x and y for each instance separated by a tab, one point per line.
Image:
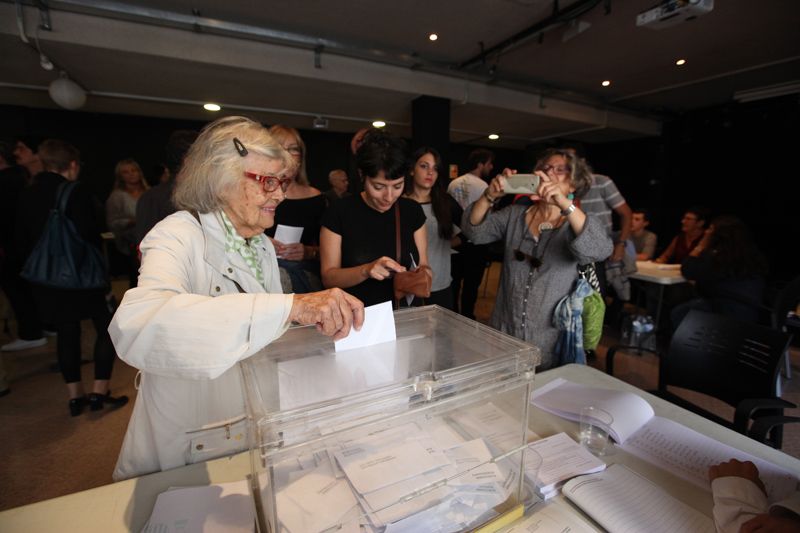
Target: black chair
736	362
786	301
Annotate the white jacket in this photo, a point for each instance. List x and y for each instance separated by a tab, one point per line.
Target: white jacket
185	327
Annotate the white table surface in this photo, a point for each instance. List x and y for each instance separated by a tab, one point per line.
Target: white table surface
125	506
658	273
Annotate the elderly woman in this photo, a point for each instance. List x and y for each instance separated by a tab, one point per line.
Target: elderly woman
209	295
544	244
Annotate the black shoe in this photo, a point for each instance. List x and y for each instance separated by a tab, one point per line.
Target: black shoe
97	401
76	405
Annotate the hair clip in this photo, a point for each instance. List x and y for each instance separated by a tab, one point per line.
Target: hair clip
239	147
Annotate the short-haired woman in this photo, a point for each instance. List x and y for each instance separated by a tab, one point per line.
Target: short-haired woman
544	244
358	240
209	295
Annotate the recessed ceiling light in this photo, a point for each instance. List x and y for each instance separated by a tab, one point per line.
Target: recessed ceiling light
606	83
433	36
378	124
680	62
211	107
494	136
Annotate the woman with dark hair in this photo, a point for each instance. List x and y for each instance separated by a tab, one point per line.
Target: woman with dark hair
442	213
728	271
544	244
358	238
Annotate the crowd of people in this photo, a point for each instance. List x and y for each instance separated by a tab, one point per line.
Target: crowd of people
214	225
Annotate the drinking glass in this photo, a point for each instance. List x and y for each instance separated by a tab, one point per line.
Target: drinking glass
594	429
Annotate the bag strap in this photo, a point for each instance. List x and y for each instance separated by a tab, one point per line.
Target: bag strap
397	230
62	195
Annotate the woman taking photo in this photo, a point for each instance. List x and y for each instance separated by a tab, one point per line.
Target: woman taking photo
129	185
209	296
358	239
442	213
302	208
544	244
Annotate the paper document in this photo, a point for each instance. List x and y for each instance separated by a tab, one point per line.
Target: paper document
621	501
223	508
315	502
550	518
562	459
378	327
288	234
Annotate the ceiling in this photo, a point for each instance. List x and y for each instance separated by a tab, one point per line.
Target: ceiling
358	60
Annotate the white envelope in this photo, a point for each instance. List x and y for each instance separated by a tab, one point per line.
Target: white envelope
288	234
378	327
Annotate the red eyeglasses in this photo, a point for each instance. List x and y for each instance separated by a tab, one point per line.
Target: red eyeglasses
270	183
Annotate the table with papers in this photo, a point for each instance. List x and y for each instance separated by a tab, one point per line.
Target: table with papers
127	505
659	274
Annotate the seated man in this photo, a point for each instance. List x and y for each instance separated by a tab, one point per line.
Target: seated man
644	241
740	501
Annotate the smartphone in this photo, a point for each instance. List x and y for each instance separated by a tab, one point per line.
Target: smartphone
521	184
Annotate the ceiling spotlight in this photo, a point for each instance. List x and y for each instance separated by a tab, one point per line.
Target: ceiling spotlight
433	36
680	62
378	124
320	123
211	107
45	62
605	83
494	136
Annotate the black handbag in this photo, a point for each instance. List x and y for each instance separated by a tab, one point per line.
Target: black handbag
62	258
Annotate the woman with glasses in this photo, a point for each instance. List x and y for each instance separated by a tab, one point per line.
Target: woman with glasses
302	208
359	233
544	244
209	295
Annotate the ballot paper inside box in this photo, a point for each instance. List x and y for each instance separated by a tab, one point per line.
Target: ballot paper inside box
424	433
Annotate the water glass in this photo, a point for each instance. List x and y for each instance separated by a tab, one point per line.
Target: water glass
594	433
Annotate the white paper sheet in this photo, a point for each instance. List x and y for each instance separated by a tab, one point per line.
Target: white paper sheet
563	459
378	327
223	508
551	518
319	501
288	234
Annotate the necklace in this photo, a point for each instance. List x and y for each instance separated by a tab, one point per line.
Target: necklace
545	226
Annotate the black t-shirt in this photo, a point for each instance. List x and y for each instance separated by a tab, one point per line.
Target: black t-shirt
303	213
367	235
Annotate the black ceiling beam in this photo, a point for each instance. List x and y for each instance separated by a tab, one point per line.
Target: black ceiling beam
559	16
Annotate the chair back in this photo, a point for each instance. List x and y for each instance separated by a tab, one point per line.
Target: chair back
785	301
724	358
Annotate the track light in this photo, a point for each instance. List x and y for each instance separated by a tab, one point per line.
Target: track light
66	92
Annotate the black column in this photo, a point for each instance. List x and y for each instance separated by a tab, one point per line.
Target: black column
430	126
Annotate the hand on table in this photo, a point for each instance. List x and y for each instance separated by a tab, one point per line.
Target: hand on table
333	311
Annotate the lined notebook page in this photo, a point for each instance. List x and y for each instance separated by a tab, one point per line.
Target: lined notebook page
622	501
688	454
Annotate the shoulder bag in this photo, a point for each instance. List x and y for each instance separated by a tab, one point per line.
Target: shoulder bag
62	259
418	281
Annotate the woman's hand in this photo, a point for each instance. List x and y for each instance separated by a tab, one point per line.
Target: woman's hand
382	268
552	192
292	252
496	187
333	311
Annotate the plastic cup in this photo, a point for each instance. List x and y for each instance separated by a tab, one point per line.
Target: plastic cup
594	435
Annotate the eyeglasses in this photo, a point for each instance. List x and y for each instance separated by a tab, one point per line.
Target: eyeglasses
270	183
559	170
295	150
519	255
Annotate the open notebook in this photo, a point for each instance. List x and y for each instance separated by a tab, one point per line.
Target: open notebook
621	500
659	441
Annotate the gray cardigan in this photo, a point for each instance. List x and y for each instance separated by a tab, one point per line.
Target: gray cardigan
527	297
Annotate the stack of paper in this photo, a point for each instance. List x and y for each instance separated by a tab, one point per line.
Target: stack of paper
561	460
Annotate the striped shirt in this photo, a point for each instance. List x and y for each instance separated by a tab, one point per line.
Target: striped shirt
601	198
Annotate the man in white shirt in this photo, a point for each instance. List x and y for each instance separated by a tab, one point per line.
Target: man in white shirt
470	261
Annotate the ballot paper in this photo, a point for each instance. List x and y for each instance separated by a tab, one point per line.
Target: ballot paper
222	507
562	459
315	502
288	234
378	327
500	430
550	518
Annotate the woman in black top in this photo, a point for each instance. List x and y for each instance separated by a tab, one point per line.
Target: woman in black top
358	237
63	307
302	208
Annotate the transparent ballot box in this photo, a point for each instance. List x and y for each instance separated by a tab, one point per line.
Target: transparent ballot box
427	433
